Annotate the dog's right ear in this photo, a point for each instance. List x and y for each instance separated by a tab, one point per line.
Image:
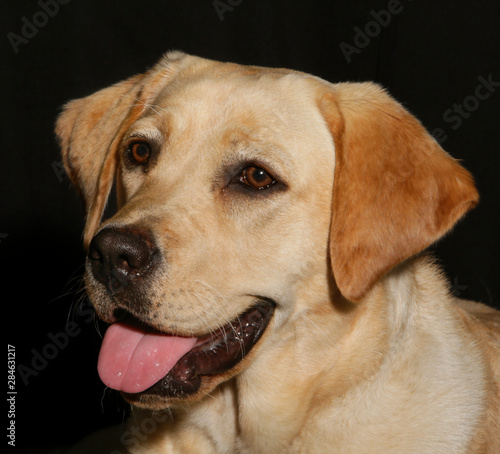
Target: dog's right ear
87	130
90	130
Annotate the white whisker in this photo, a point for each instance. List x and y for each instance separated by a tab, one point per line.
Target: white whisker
220	323
153	107
228	320
218	294
209	328
320	331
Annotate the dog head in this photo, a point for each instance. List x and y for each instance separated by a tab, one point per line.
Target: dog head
244	194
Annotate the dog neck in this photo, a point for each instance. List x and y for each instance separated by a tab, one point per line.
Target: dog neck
361	350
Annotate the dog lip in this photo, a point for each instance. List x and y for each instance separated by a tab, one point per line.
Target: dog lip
214	353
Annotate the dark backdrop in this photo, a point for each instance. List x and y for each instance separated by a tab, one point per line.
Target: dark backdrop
440	59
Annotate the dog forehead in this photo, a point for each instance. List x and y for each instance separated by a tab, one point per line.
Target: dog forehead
211	99
224	103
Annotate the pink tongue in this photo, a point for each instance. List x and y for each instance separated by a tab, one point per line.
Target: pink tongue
132	360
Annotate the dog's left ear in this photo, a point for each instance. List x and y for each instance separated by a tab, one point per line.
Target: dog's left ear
396	191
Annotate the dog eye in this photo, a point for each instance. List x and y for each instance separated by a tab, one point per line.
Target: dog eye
139	153
257	178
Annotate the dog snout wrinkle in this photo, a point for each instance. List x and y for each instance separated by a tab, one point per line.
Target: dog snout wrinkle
118	257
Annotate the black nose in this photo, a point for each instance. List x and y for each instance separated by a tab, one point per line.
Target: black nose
119	257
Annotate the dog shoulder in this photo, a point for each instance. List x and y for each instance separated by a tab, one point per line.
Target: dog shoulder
484	324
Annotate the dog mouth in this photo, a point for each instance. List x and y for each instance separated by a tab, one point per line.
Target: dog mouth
138	360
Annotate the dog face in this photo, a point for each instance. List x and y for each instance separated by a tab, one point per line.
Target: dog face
225	180
246	196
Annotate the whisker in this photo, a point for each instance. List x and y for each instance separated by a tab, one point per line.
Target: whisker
153	107
210	330
78	302
218	294
229	321
103	397
320	331
209	395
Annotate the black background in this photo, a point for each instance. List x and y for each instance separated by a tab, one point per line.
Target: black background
431	56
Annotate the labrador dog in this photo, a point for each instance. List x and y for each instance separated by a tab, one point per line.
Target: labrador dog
264	276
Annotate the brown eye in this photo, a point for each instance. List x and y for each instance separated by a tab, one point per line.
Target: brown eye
140	153
257	177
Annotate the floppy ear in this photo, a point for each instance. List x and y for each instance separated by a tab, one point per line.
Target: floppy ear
396	191
90	130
